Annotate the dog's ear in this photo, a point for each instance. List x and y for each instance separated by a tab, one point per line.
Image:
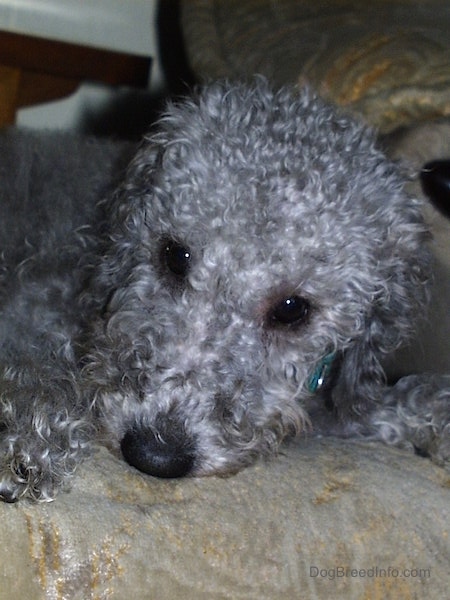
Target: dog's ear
402	274
123	244
357	381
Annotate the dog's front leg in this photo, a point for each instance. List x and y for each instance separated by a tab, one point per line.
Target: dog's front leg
44	431
416	411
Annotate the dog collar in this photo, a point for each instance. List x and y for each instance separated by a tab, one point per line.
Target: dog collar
321	372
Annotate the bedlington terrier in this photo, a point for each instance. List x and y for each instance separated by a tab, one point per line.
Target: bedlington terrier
241	286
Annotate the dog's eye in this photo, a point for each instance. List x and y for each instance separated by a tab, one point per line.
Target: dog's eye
177	258
294	309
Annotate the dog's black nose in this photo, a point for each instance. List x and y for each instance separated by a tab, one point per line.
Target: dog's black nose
159	454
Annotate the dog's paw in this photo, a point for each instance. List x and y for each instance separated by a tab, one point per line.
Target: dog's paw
416	412
37	468
440	452
15	484
44	435
17	481
437	445
25	475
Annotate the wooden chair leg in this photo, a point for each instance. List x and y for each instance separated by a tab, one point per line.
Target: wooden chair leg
9	90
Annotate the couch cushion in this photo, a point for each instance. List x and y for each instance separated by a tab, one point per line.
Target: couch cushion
326	519
389	61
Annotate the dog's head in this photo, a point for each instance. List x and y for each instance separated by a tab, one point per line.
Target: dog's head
259	241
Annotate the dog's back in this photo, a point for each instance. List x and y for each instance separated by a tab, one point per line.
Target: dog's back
50	186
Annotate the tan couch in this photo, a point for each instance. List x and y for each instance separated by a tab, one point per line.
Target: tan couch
328	519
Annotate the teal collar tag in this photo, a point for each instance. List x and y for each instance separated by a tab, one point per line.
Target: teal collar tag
321	372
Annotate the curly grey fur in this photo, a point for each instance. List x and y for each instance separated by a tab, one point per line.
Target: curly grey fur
156	319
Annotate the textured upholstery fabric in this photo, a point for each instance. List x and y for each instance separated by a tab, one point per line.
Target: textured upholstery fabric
388	60
373	520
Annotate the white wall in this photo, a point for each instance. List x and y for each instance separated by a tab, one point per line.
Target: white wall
122	25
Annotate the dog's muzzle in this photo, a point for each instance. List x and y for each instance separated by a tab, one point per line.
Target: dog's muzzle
160	454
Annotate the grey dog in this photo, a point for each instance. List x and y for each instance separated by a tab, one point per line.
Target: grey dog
241	285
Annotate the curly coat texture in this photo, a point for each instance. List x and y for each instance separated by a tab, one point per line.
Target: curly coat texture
180	319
